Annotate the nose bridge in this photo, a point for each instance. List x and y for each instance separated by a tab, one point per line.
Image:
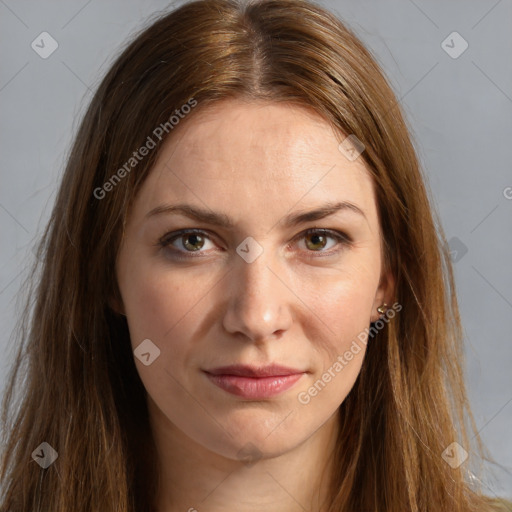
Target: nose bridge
257	304
255	280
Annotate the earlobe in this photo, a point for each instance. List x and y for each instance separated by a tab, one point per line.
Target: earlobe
384	296
378	311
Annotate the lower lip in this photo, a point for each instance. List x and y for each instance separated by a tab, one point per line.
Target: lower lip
255	387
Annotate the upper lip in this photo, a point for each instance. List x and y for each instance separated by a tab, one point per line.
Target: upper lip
242	370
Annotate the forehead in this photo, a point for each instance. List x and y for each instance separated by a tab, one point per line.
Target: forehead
248	158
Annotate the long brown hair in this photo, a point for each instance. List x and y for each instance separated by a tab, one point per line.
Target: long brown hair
81	393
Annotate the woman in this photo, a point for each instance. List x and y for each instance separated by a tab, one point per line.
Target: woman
307	356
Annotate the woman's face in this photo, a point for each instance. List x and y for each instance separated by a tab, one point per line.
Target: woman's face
254	289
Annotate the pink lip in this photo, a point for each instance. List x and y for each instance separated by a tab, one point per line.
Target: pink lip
255	387
242	370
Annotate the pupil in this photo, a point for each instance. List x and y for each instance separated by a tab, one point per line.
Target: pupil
316	237
193	237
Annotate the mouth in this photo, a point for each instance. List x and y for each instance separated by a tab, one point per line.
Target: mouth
255	388
243	370
252	382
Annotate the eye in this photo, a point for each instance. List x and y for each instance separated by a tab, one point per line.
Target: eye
318	240
193	240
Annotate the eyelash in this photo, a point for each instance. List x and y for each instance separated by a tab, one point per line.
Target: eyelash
342	238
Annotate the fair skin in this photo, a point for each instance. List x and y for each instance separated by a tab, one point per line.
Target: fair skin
294	305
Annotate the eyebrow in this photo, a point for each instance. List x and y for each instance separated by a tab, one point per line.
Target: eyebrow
222	220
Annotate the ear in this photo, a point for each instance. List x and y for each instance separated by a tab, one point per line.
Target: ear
115	302
384	295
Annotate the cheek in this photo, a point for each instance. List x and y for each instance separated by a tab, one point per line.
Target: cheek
342	306
157	300
343	300
165	307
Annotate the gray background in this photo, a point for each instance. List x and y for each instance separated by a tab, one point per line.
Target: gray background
460	111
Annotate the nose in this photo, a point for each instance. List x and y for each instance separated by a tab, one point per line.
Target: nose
259	300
